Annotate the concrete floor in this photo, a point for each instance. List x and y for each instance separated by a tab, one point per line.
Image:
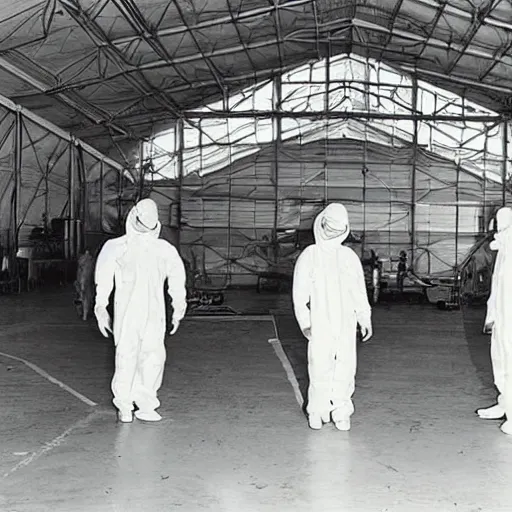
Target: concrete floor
233	436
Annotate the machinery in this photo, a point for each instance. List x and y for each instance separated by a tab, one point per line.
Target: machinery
469	282
204	295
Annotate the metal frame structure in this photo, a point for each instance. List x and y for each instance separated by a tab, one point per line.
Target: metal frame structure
43	171
165	57
114	73
470	152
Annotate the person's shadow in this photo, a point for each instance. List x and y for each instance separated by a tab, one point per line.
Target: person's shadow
295	347
478	345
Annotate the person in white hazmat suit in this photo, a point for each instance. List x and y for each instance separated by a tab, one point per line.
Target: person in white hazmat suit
138	264
329	299
499	321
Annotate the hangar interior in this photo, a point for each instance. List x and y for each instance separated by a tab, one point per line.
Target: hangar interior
242	120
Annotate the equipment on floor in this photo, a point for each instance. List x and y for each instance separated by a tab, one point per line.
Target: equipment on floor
205	293
469	282
10	281
84	285
372	268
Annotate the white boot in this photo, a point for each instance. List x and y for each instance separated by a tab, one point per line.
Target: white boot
315	421
125	416
148	416
506	427
343	425
495	412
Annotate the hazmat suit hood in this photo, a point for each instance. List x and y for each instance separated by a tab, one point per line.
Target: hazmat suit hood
142	220
503	221
331	227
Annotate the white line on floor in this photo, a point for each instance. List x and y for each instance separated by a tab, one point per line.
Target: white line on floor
53	380
55	443
278	349
258	318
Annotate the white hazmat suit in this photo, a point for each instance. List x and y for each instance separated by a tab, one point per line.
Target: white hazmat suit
499	319
138	264
329	298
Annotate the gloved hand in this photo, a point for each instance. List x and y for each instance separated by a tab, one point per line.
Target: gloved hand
307	333
366	330
104	322
175	326
488	326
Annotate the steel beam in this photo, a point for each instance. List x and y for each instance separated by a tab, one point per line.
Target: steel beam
454	79
477	23
435	43
249	15
328	114
18	151
277	99
77	104
72	200
461	13
47	125
413	169
180	143
504	162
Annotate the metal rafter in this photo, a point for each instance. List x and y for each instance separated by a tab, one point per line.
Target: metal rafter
50	127
252	14
309	34
332	114
139	25
213	70
162	64
477	23
455	79
97	9
391	26
96	34
279	35
436	43
439	14
498	58
75	102
235	24
40	12
461	13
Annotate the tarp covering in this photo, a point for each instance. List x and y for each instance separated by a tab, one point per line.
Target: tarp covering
47	175
397	108
425	185
227	217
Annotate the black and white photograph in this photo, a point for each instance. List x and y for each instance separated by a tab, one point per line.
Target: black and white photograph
255	255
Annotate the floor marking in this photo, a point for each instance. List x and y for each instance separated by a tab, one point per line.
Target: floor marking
278	349
53	380
265	317
55	443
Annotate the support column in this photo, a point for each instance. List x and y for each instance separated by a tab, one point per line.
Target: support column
504	162
71	230
277	129
120	195
102	172
83	196
180	139
365	169
326	132
413	169
141	168
16	202
457	215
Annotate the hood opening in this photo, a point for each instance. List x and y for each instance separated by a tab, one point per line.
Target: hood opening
331	226
142	220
